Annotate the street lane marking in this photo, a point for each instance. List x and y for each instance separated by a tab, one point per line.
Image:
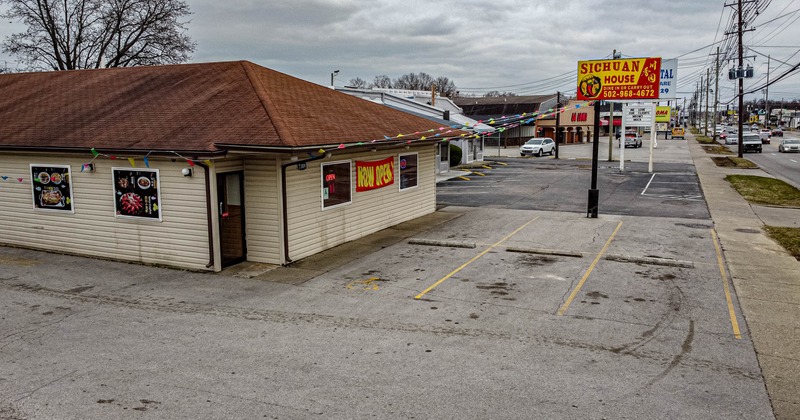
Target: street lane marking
452	273
577	289
731	312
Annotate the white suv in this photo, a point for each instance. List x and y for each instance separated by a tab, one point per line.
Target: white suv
538	146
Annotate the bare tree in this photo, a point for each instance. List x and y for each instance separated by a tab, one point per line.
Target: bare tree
446	87
383	81
358	83
498	94
75	34
414	81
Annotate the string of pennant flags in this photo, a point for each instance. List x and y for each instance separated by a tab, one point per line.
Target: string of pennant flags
500	124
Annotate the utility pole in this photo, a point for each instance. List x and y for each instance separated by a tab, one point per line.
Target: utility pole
766	101
705	120
741	82
558	120
700	100
716	96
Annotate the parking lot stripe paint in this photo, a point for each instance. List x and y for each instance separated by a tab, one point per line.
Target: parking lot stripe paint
731	312
478	173
486	167
501	163
452	273
577	289
464	178
648	184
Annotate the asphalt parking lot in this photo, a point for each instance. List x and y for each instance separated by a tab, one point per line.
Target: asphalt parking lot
507	304
505	313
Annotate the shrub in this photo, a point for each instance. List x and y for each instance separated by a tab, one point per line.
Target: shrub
455	155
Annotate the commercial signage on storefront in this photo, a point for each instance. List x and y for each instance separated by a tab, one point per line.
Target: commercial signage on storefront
636	78
374	174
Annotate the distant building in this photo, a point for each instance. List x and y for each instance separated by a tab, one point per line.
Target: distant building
484	109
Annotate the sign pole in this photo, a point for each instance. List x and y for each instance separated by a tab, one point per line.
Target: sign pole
622	137
652	138
594	194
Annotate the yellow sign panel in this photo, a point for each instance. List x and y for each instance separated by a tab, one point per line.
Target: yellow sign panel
663	114
636	78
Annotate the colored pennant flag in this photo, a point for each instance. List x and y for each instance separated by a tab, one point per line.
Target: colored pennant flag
322	151
133	162
4	177
208	162
190	162
20	179
146	162
95	153
341	146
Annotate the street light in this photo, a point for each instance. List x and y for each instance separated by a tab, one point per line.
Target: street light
335	72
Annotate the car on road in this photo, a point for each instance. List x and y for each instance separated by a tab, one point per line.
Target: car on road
789	145
777	131
765	134
678	132
538	146
732	138
751	142
723	134
632	140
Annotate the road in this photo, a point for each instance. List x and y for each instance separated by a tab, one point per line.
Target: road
784	166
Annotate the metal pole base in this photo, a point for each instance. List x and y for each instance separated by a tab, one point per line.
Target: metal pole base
594	200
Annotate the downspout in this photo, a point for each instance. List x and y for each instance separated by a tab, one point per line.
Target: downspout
285	206
209	219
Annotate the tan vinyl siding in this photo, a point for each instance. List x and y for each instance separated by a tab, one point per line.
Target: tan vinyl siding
262	213
312	229
180	239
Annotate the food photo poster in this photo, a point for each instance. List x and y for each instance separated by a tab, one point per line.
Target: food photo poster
136	193
51	187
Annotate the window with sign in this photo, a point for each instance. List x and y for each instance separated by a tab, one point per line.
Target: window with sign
336	186
408	171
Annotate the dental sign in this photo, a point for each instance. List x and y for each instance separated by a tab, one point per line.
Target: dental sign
669	80
615	80
374	174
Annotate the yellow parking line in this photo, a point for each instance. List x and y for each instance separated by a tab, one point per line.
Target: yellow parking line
452	273
478	173
486	167
501	163
464	178
734	324
577	289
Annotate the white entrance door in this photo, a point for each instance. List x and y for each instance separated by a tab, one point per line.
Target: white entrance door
443	152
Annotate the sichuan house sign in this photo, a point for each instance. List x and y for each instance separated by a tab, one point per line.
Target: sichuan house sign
136	193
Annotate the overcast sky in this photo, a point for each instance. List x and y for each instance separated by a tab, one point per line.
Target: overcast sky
527	47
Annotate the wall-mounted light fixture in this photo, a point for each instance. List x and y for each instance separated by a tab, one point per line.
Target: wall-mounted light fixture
186	171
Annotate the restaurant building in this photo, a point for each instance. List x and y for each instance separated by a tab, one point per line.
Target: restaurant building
576	123
202	166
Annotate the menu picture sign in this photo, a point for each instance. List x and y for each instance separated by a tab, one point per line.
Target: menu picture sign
136	193
52	189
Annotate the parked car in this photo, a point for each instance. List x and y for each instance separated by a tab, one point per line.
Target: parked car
751	142
678	132
789	145
765	134
777	131
633	140
538	146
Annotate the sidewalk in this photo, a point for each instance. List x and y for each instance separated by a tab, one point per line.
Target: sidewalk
766	278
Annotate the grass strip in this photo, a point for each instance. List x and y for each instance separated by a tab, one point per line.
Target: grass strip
734	162
763	190
787	237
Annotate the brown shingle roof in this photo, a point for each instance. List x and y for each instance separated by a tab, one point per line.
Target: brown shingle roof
189	107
